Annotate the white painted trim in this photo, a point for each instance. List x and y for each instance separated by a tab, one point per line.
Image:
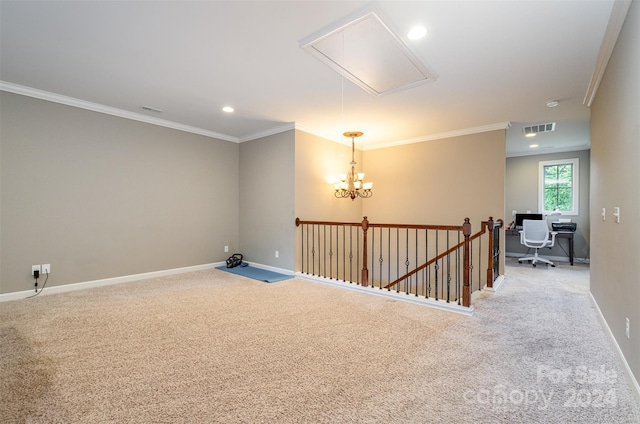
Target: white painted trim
537	152
496	285
373	146
616	21
266	133
336	138
449	307
433	137
551	258
575	185
121	113
635	387
106	281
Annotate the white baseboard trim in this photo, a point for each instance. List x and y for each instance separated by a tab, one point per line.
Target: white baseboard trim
450	307
635	387
551	258
496	285
106	281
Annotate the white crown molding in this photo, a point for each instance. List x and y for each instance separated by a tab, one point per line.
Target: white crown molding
616	21
266	133
95	107
449	134
536	152
331	137
381	145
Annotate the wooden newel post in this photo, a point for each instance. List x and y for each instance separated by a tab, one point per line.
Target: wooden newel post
365	271
466	287
490	253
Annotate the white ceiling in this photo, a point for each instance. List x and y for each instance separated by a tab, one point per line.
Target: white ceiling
495	61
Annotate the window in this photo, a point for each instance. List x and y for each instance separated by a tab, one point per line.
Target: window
558	186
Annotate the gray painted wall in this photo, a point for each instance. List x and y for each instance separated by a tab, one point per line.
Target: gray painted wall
615	177
98	196
521	194
267	200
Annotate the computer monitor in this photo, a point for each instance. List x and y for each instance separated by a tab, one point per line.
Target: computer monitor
521	216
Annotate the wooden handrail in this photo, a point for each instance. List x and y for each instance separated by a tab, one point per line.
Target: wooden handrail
484	225
465	229
346	224
370	225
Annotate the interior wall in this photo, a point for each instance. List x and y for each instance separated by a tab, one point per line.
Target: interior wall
439	182
97	196
522	195
317	162
615	154
267	200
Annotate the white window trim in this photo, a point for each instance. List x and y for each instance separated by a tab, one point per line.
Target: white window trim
575	184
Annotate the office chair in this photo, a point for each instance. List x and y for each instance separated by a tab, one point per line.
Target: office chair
535	234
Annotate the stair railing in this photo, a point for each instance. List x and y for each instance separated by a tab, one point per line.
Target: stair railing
345	251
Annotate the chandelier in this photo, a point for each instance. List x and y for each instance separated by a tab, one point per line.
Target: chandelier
352	184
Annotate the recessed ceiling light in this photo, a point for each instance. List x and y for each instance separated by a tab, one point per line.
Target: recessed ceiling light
533	146
227	109
530	135
552	103
417	32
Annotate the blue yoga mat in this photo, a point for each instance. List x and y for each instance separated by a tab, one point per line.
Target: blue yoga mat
256	273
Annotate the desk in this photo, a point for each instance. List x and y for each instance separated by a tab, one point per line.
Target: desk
560	234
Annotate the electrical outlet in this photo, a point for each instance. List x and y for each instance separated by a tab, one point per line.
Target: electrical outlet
46	268
226	249
35	268
514	213
277	254
628	330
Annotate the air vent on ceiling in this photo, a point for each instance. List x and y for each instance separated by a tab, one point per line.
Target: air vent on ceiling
540	128
365	50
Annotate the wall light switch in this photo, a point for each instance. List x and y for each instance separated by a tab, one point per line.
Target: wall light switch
277	254
604	214
226	248
616	214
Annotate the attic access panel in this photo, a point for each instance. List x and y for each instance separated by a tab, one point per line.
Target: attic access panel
365	51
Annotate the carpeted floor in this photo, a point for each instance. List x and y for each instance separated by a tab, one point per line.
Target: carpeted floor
214	347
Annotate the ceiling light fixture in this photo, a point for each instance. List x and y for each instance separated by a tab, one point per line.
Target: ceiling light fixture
352	185
417	32
227	109
533	146
552	103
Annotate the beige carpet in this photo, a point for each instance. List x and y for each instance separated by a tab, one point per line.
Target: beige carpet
213	347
